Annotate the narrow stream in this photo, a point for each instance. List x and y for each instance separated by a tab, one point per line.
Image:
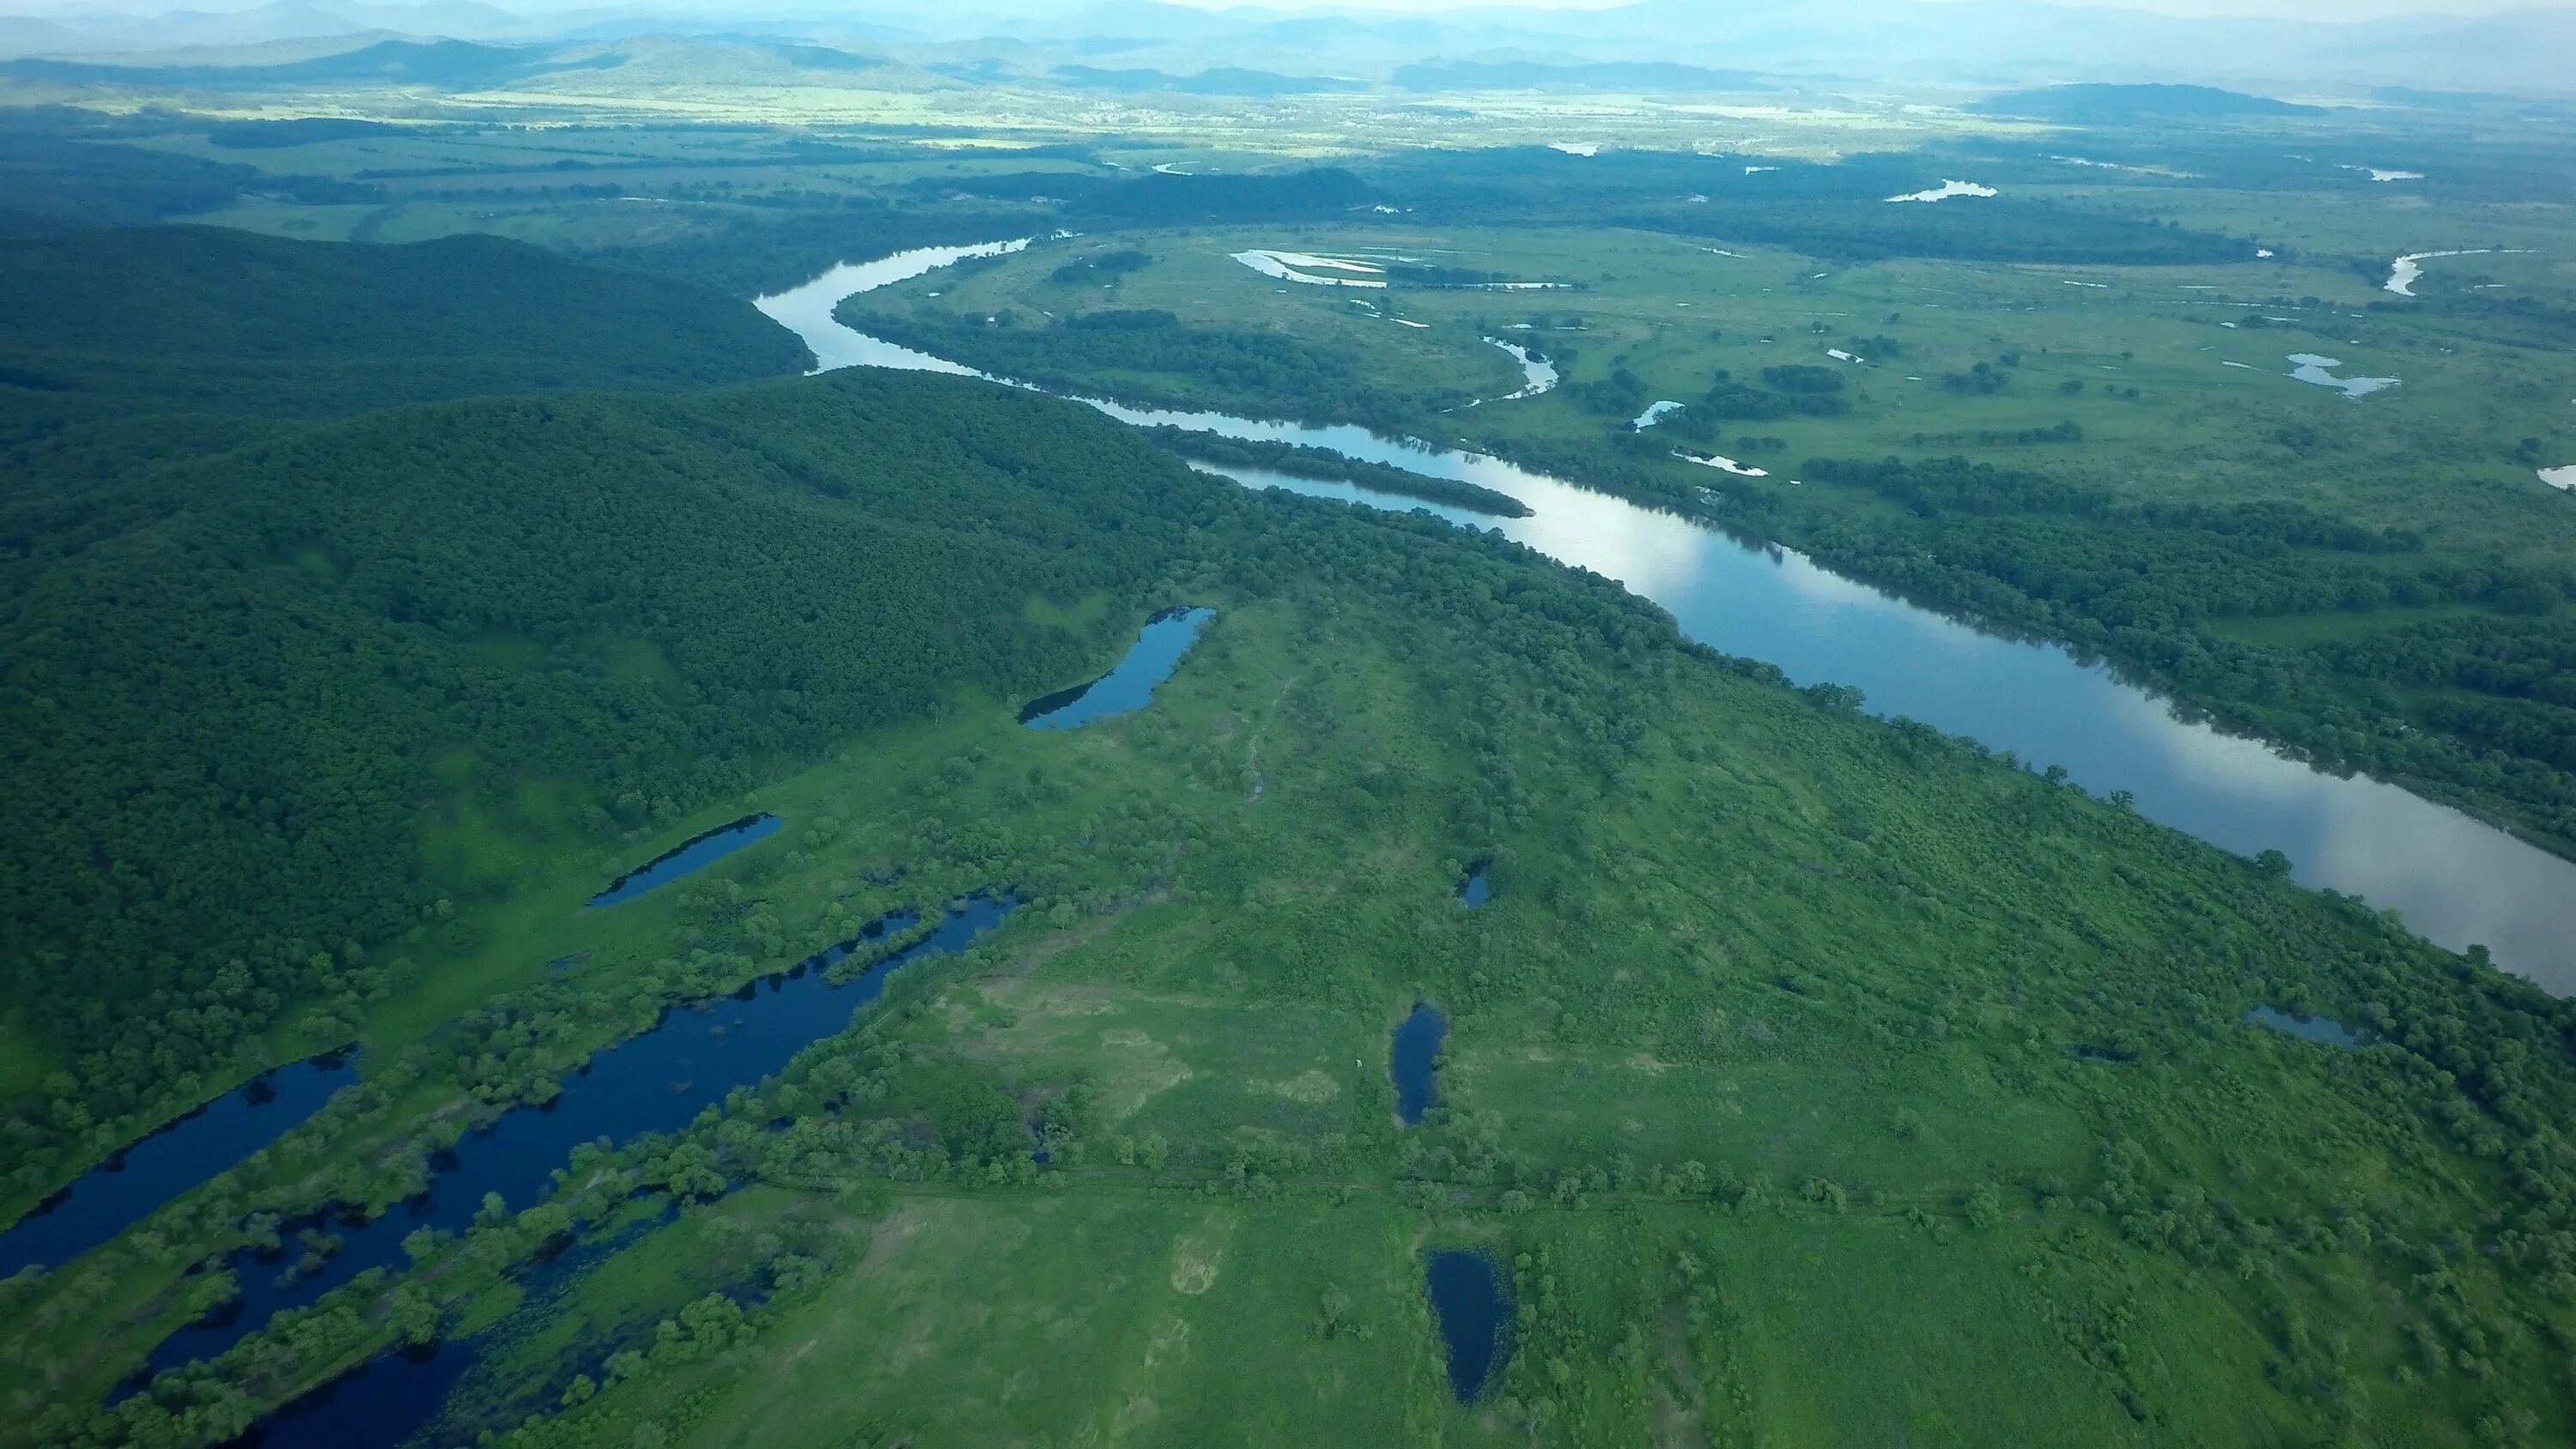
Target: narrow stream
691	854
2455	880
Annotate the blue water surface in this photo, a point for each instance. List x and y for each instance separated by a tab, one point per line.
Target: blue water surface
132	1185
656	1082
1468	1299
694	853
1416	1050
1129	687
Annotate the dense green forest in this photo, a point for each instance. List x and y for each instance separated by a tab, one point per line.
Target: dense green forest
1161	362
573	617
207	319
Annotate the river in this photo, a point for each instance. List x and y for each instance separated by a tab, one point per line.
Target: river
2455	880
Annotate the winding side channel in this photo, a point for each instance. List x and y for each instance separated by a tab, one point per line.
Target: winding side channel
2456	881
656	1082
698	850
133	1185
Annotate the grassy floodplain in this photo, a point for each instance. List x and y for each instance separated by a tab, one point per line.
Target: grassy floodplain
2146	387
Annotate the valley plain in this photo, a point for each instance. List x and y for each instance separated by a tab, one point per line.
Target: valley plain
2020	841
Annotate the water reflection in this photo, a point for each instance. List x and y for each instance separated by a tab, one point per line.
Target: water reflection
807	310
2454	880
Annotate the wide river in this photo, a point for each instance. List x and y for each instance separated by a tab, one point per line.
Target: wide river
2455	881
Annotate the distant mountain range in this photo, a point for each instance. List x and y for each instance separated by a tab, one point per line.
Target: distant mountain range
84	29
444	63
1224	81
1653	46
1530	75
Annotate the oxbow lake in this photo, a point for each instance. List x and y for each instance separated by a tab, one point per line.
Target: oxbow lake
1128	687
2455	880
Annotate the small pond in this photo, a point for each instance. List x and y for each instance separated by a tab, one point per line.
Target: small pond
1467	1298
1654	414
2562	479
1475	890
1412	1061
2324	1030
655	1082
1129	687
694	853
132	1185
2309	367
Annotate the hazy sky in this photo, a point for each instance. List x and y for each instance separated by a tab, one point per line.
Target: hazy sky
2291	9
2285	9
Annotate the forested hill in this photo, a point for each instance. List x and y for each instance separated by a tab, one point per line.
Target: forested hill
272	722
211	319
2111	103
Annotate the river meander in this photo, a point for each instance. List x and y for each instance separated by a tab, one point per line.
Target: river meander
2454	879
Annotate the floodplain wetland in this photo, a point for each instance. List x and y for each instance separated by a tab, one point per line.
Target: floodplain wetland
1947	821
